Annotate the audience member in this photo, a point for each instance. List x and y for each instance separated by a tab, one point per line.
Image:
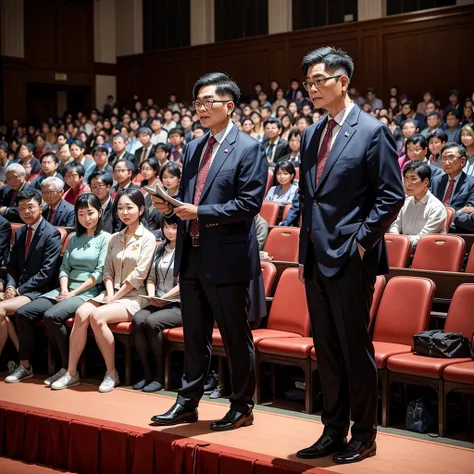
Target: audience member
56	210
170	176
49	169
77	149
433	121
4	161
176	139
417	149
64	155
372	99
436	141
467	140
147	149
29	274
25	156
16	182
283	190
74	178
159	135
453	102
294	142
101	160
119	147
123	173
162	153
101	185
422	213
453	119
274	146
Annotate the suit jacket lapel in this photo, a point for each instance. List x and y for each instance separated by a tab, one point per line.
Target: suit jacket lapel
459	184
193	169
222	154
311	154
344	136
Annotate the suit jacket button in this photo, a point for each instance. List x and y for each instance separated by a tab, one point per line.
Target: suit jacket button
315	203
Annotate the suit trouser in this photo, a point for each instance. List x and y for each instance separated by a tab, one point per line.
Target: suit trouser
54	316
148	325
339	311
202	302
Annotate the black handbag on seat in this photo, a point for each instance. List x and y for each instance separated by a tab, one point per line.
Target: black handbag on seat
438	343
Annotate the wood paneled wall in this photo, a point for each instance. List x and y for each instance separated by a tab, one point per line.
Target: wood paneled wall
431	49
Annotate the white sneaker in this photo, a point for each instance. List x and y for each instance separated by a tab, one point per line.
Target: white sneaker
66	381
111	380
19	374
55	377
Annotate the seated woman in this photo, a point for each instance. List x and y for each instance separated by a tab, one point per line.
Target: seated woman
149	322
74	178
149	172
81	270
283	190
129	258
170	176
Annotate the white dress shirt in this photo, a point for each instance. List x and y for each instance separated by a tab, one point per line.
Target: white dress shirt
419	218
220	137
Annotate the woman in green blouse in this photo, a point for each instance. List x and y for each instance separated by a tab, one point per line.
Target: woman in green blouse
81	270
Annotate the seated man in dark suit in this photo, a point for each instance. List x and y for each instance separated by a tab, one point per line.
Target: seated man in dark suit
147	149
416	148
101	160
101	184
275	147
16	182
455	188
124	172
294	142
49	168
56	211
463	222
119	145
5	237
31	271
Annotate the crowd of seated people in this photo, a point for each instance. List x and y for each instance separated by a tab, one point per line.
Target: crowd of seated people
88	172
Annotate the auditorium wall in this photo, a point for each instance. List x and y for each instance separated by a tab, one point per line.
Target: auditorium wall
431	49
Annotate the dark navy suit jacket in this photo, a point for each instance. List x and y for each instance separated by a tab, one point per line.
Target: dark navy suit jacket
358	196
233	194
463	191
65	215
34	274
6	196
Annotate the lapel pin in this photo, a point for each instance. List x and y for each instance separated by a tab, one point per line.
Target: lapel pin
226	151
346	134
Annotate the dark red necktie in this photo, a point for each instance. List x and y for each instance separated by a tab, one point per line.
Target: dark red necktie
28	241
13	201
324	150
52	215
201	179
449	192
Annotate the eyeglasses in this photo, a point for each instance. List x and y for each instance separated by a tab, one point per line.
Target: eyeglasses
208	103
449	158
411	179
96	187
319	82
49	193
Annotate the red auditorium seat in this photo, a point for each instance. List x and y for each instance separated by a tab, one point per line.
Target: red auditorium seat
15	226
428	371
269	273
404	310
398	248
269	212
470	262
379	288
286	210
439	252
283	244
451	213
269	180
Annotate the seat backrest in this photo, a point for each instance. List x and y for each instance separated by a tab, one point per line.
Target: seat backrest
460	317
269	180
269	212
398	249
64	238
470	262
15	226
380	283
283	244
439	252
289	311
450	216
286	210
269	272
404	309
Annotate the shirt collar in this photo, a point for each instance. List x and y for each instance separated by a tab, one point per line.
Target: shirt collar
342	115
138	232
424	200
104	206
220	137
36	225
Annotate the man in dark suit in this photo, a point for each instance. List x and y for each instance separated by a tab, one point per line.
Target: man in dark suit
5	237
455	188
351	191
275	147
56	211
146	150
16	182
101	184
223	185
49	166
119	145
31	272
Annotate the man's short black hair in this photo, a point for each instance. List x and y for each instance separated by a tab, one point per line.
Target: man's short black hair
417	139
440	134
414	122
4	146
432	114
266	107
410	103
157	118
61	134
145	131
50	154
79	143
225	86
332	58
306	118
100	149
176	131
77	167
461	150
274	120
28	193
294	133
164	146
104	176
455	113
422	169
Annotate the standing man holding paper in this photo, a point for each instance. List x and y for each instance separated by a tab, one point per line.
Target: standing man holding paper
351	191
222	186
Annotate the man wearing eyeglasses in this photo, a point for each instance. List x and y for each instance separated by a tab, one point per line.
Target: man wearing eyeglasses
351	191
223	185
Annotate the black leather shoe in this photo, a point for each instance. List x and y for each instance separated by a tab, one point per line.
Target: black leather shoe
355	451
175	415
323	447
232	421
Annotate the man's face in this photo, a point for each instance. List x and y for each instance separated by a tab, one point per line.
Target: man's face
29	210
301	124
271	130
435	145
416	152
61	140
49	165
406	109
72	178
452	162
168	115
144	139
76	152
408	129
3	155
64	153
295	84
121	173
330	92
452	121
161	155
51	195
265	113
14	180
413	184
118	145
186	122
453	98
100	158
258	88
176	139
100	189
430	107
370	96
24	152
219	111
156	126
433	122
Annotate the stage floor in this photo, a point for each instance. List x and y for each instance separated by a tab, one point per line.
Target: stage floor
276	435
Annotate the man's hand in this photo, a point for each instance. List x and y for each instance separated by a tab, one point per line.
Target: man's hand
467	210
161	205
3	210
361	251
9	293
301	273
108	299
188	212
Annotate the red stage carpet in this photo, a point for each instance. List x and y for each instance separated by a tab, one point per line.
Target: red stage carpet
81	430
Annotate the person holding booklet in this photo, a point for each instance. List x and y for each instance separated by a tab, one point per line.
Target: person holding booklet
148	323
129	258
